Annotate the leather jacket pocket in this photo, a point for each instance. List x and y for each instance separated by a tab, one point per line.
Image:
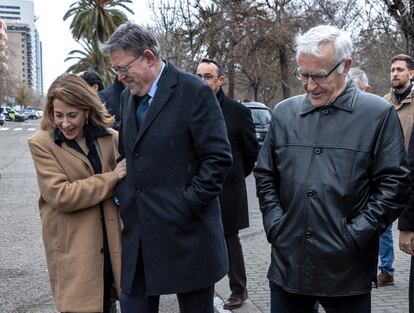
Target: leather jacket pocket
350	241
275	230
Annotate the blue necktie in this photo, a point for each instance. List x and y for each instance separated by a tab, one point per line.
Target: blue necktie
142	110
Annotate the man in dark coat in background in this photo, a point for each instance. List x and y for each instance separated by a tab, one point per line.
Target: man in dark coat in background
233	200
174	139
93	79
111	96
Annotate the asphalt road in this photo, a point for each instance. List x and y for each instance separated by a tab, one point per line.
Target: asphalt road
24	281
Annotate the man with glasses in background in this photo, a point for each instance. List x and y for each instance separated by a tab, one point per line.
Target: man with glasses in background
174	139
331	176
402	99
233	199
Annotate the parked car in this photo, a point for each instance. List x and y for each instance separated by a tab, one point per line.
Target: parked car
19	117
6	114
31	114
2	119
39	113
12	115
261	116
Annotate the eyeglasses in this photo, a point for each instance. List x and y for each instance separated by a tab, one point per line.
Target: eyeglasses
206	77
123	69
318	78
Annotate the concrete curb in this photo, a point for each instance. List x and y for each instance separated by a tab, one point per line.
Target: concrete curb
223	291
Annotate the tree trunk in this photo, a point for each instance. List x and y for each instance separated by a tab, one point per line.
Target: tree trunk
284	72
231	78
410	46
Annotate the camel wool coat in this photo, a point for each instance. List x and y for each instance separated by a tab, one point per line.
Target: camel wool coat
405	112
69	204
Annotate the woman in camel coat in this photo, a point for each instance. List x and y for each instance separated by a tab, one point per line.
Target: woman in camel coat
75	155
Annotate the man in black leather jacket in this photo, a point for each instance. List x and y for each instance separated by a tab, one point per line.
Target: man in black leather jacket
331	176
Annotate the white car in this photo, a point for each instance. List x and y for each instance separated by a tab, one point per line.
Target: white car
2	119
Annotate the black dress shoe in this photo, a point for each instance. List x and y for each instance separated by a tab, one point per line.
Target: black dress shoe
234	302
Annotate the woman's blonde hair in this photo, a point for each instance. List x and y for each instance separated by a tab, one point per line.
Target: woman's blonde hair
74	91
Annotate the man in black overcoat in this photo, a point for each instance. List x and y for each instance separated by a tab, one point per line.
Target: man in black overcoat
233	200
111	97
174	139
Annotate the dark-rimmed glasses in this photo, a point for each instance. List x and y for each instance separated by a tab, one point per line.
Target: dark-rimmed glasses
318	78
206	77
123	69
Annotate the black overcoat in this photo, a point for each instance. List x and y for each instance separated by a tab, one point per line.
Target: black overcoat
111	97
176	164
242	137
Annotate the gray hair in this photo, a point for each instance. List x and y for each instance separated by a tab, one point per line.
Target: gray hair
357	73
131	37
312	41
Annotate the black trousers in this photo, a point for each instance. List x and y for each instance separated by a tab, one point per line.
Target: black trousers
197	301
282	301
107	270
237	270
411	288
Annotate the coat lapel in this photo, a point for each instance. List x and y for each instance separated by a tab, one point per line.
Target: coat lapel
130	120
77	154
106	153
105	146
163	93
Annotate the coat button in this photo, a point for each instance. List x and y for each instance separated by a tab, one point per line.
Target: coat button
318	151
310	193
116	201
308	235
325	112
101	251
136	155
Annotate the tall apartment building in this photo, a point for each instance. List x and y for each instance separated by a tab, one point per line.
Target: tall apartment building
3	40
24	47
3	59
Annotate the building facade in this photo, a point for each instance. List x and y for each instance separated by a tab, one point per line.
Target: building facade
3	60
23	44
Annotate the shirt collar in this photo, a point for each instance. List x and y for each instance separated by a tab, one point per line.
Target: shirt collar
345	101
154	86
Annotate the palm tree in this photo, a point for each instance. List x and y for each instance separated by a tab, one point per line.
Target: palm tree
93	22
90	57
96	20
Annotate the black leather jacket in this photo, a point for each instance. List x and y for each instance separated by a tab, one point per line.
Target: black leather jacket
329	181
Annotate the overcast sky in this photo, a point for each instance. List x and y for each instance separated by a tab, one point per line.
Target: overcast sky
56	38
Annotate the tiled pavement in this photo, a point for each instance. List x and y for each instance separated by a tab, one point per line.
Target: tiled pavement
389	299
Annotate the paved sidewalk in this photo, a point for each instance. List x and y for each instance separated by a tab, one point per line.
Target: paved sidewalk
389	299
